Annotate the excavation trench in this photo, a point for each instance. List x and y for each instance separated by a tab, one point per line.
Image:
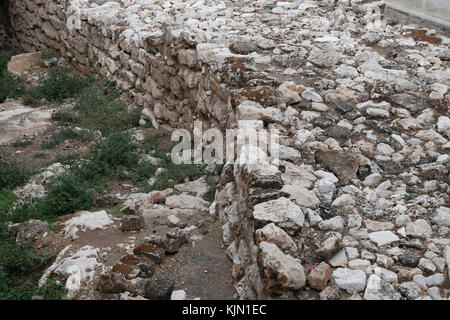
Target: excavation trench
190	61
175	79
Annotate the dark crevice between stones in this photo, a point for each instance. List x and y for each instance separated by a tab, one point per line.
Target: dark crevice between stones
5	25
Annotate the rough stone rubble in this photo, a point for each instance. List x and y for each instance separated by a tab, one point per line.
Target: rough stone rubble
129	259
358	206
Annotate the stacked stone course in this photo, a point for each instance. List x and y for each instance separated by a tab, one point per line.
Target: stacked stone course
189	60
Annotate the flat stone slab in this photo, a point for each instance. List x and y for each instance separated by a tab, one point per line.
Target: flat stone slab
17	120
382	238
283	212
22	63
350	280
86	220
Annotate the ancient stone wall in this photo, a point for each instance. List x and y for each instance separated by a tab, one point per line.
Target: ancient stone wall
164	67
251	65
169	71
4	39
4	24
436	8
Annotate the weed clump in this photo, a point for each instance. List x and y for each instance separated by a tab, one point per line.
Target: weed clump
11	173
76	189
19	260
11	86
48	54
171	175
59	84
65	195
11	290
21	143
99	108
60	137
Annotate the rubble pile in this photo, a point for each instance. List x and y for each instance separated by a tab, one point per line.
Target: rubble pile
357	206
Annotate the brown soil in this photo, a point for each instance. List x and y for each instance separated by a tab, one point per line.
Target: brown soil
34	156
421	35
201	267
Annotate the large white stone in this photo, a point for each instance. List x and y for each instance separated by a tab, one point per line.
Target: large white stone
349	280
302	136
363	106
378	289
385	149
199	187
78	269
311	96
302	196
339	259
290	92
289	154
86	220
386	275
343	200
377	113
372	180
249	110
185	201
273	234
431	135
333	224
443	125
435	280
359	264
178	295
382	238
283	212
284	269
419	229
442	217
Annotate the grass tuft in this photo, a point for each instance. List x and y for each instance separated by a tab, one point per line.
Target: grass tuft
10	85
60	137
59	84
99	108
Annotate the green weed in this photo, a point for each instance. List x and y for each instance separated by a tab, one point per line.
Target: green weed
21	143
11	173
59	84
10	86
60	137
99	108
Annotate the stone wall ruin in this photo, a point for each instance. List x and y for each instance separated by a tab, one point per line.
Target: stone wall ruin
247	65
